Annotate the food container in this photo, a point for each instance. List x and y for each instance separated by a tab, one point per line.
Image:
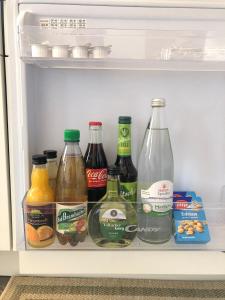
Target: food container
80	51
39	50
60	51
101	51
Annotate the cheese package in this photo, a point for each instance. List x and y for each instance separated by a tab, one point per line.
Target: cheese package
191	226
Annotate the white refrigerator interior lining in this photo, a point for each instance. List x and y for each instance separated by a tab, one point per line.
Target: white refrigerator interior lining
61	98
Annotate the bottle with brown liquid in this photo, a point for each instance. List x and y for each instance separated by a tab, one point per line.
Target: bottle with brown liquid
71	192
96	164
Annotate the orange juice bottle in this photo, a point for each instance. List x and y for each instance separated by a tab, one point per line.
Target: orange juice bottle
39	211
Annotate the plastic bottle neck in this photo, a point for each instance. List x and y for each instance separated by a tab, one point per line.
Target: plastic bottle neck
72	149
124	140
158	120
95	135
113	189
39	176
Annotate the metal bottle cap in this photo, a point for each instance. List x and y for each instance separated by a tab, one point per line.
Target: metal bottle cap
158	102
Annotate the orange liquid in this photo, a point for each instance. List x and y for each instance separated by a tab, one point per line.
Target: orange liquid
40	191
39	196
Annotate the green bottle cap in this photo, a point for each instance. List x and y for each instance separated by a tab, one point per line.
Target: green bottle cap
71	135
124	120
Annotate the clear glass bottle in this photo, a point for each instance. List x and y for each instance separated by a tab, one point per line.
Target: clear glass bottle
52	167
155	179
112	222
128	172
71	192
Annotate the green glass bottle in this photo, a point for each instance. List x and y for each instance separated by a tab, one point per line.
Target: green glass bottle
128	172
112	222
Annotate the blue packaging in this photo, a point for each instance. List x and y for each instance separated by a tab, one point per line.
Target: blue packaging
184	194
191	226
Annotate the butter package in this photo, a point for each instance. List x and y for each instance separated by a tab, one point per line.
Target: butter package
190	222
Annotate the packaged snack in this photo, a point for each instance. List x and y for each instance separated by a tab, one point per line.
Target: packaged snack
190	222
184	194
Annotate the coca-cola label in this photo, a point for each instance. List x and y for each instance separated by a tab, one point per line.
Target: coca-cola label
96	177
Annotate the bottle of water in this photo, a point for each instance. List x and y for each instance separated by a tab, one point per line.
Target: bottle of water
155	180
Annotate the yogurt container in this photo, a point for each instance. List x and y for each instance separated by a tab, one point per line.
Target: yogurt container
60	51
80	51
39	50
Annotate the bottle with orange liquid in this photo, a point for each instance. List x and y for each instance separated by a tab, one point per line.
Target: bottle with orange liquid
39	210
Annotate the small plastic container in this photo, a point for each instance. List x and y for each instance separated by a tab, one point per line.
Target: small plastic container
101	51
39	50
80	51
60	51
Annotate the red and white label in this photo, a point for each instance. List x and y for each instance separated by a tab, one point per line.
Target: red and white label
96	177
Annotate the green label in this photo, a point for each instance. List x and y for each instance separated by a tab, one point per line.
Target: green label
124	140
161	208
71	218
113	222
128	190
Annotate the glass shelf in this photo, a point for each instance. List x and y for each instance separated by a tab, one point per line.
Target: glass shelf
124	64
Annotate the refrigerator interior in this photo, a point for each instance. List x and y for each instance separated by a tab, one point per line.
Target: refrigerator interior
56	95
59	99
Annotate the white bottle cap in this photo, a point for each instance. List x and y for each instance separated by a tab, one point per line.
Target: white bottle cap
158	102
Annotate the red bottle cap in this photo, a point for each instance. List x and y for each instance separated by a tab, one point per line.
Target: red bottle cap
94	123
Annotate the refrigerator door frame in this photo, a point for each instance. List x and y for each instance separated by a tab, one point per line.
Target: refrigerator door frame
5	220
148	264
142	3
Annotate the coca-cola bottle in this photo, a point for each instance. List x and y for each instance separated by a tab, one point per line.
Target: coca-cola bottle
96	165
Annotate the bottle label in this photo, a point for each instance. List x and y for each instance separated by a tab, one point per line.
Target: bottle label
157	200
96	177
39	223
128	190
71	219
124	140
113	222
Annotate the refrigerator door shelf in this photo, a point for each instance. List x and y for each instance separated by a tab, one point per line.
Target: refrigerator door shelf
123	64
137	48
66	217
129	49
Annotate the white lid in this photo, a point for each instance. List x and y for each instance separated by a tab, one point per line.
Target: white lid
158	102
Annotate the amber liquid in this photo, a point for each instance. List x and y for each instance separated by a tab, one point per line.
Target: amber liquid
71	180
71	190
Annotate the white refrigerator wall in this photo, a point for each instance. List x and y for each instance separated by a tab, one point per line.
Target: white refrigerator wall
43	102
60	99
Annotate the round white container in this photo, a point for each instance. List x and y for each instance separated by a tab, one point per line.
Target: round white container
60	51
100	51
38	50
80	51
